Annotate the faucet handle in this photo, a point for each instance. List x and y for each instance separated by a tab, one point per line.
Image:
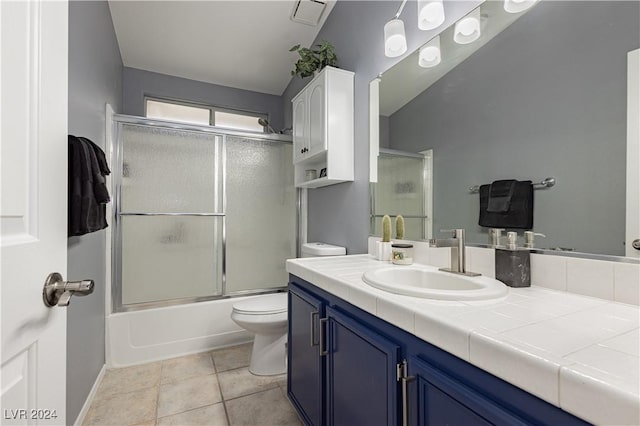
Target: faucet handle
457	233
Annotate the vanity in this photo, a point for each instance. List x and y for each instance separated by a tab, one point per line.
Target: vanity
361	355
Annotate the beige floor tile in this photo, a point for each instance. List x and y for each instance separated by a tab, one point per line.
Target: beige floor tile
129	379
232	358
186	366
211	415
268	408
124	409
240	382
184	395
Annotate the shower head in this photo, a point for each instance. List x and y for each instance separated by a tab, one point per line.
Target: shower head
265	123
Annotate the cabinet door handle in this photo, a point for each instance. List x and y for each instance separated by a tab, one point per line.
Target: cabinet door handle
323	345
313	328
302	151
404	383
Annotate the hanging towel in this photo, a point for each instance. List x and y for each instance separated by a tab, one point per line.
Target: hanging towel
88	193
500	194
519	212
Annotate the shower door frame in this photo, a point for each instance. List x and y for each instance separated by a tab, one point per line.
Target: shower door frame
119	120
427	202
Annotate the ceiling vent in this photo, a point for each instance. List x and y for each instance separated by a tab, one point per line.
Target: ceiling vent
308	12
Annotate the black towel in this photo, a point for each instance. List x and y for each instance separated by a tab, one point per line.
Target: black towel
520	210
500	194
87	190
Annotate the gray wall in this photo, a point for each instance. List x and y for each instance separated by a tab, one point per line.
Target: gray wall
339	214
546	97
95	78
139	83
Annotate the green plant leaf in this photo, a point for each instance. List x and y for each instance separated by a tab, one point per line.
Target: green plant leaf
294	48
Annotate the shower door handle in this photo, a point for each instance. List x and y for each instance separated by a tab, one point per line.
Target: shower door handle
56	291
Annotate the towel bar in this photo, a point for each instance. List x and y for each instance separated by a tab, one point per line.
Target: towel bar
546	183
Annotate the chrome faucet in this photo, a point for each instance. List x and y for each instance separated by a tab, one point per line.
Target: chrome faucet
458	259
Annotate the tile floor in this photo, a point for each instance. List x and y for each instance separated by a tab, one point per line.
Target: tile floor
211	388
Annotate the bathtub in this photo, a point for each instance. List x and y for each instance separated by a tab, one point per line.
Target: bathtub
139	337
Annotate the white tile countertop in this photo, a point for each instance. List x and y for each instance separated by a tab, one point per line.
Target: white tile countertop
577	352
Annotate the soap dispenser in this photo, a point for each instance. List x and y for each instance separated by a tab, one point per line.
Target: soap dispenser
513	263
529	238
495	234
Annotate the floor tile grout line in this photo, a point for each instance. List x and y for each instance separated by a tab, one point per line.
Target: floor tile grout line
253	393
224	405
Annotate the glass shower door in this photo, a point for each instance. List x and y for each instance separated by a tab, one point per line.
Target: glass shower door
261	214
402	188
170	215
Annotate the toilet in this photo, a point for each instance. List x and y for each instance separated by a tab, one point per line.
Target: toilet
266	317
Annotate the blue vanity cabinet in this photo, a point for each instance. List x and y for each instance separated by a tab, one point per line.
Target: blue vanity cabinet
362	387
436	398
348	367
305	367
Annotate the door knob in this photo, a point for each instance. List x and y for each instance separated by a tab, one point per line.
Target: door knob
636	244
56	291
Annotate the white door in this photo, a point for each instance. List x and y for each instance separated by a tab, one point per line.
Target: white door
33	212
633	155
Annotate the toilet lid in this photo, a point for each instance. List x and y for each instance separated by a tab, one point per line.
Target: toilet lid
262	305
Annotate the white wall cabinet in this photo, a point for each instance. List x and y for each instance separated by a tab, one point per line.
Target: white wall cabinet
323	129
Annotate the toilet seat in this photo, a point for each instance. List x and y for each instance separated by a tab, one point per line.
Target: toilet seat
264	305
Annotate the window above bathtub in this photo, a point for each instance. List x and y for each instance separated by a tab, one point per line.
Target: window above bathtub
207	115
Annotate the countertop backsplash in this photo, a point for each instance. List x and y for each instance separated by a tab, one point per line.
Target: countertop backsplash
609	280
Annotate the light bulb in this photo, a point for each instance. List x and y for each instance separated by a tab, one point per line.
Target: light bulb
429	55
395	42
517	6
467	30
430	14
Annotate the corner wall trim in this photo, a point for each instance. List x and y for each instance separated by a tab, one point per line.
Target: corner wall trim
89	400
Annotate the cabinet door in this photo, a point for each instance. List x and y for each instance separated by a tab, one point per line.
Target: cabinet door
305	365
361	374
300	128
436	398
317	115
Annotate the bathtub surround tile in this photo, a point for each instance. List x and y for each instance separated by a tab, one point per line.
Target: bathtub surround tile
590	277
124	409
129	379
549	271
627	283
271	407
240	382
214	415
187	366
184	395
232	357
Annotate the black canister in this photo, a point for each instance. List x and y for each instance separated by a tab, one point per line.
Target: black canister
513	265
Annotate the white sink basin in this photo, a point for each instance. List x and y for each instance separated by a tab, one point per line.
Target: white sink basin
430	283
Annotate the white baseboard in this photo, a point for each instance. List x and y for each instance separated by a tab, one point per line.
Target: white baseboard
89	400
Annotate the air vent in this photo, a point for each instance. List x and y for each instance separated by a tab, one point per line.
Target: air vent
307	12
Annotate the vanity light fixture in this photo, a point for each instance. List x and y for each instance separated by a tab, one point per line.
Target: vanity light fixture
517	6
430	14
430	53
467	30
395	41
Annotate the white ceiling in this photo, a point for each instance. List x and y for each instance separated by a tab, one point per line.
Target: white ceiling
242	43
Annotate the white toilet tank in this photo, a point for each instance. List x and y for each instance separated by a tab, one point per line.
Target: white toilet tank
322	249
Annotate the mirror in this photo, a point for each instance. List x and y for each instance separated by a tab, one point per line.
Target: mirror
542	93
